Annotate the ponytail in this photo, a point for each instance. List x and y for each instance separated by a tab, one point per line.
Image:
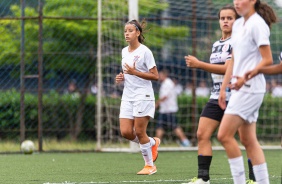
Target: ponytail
266	12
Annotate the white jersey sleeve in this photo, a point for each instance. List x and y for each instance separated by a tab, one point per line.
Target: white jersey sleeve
260	34
280	57
149	59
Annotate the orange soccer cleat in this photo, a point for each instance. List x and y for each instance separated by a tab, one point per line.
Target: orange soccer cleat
155	148
148	170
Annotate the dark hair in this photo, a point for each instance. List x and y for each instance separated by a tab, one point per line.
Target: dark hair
266	12
139	27
228	7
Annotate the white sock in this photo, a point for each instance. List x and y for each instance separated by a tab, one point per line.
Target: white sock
136	140
261	173
146	151
152	141
237	170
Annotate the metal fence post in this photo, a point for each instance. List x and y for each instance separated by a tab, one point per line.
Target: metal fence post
40	74
22	78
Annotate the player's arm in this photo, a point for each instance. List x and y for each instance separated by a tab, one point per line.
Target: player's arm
271	70
119	78
193	62
151	75
160	101
263	66
225	83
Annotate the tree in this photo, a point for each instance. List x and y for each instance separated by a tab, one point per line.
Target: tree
70	42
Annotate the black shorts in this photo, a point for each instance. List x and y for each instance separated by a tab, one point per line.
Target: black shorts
213	111
167	121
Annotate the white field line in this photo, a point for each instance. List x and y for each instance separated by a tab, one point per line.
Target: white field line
144	181
182	149
215	180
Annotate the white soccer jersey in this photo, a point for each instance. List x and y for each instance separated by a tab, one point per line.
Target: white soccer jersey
136	88
246	39
221	52
167	89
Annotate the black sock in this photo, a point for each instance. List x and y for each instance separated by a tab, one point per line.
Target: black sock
204	163
251	171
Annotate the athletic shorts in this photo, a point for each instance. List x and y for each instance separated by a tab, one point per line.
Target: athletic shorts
213	111
167	121
131	109
245	105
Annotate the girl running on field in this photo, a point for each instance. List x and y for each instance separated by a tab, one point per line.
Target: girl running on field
138	101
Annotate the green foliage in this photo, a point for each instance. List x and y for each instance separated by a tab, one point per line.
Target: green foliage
59	111
76	38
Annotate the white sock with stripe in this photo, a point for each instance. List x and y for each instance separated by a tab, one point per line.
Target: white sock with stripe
261	173
152	141
237	170
147	153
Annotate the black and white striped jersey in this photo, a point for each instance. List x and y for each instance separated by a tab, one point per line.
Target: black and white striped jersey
221	52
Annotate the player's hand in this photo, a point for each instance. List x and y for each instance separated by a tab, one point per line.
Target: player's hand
251	74
192	61
119	78
238	84
222	99
128	69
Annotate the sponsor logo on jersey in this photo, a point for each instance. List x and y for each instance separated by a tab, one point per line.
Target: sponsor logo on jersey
136	58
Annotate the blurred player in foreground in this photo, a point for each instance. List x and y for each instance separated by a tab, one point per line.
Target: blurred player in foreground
138	101
251	50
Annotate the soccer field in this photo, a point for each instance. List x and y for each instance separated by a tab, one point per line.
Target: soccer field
90	168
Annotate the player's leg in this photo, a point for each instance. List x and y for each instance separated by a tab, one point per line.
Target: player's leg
227	130
182	137
206	128
248	138
140	126
209	121
173	125
160	132
252	178
126	120
160	126
142	112
126	128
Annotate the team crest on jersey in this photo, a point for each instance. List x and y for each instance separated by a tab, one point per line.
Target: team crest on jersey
225	48
136	58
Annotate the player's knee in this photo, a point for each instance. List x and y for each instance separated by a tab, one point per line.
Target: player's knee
247	141
126	134
139	134
223	138
202	135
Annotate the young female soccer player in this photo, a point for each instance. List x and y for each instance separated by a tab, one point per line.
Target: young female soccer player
212	113
269	70
251	50
138	101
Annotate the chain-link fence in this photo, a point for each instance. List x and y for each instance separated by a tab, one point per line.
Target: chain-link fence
48	63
